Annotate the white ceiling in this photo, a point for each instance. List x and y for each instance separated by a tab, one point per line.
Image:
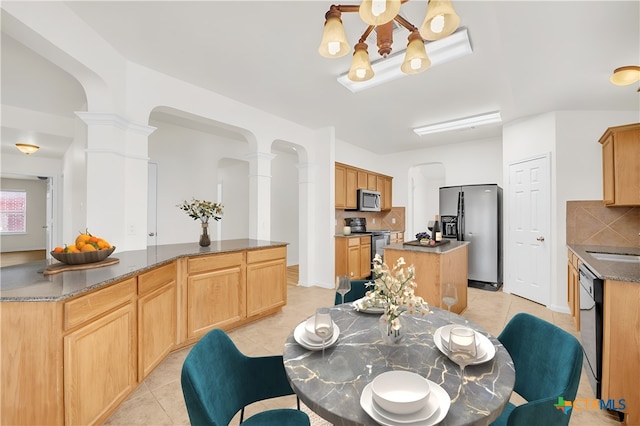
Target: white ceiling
528	58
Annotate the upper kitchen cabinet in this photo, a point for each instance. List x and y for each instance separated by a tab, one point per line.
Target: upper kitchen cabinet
349	179
620	165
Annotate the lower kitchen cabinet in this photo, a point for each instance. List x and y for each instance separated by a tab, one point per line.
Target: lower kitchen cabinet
73	361
353	256
266	280
573	288
157	317
621	346
216	292
100	353
99	366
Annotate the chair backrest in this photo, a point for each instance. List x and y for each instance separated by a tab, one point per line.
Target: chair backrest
548	364
358	290
218	380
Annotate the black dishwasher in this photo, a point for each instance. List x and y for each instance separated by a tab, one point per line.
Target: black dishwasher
591	296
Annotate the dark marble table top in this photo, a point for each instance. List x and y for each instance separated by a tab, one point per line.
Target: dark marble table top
332	387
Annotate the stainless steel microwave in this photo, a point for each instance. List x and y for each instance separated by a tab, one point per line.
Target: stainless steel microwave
368	201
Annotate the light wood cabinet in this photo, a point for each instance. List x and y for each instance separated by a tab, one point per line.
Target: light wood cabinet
100	355
353	256
573	288
157	317
73	361
620	165
349	179
216	292
433	270
266	280
621	346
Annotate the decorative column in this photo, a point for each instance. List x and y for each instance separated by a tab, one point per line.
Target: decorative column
260	195
116	179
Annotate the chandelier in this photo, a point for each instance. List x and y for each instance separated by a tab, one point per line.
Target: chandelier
440	21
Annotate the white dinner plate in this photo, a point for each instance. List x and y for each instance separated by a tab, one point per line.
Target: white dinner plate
442	403
371	310
486	350
300	336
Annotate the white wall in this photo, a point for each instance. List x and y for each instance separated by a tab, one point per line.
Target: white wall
35	237
571	139
285	202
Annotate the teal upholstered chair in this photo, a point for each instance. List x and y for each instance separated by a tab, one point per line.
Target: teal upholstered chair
358	290
548	363
218	381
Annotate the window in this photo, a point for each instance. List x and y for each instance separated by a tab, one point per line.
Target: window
13	212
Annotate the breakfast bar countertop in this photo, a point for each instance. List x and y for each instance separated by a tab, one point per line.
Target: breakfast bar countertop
26	282
609	269
444	248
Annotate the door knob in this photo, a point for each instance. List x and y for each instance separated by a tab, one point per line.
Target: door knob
540	238
152	234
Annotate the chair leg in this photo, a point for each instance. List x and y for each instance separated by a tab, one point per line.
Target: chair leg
242	415
298	402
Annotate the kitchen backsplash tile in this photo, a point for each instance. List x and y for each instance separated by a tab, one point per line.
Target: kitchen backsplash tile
591	223
384	220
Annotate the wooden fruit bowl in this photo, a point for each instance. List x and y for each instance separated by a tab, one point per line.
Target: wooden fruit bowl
83	257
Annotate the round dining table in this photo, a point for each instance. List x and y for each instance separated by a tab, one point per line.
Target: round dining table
332	385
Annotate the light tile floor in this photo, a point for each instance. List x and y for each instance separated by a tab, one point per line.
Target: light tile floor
158	400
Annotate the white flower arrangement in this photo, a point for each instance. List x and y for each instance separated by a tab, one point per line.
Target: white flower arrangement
394	291
202	210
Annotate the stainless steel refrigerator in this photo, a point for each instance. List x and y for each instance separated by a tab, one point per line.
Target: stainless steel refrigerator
473	213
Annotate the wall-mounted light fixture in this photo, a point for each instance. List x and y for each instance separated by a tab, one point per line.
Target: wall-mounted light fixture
624	76
27	148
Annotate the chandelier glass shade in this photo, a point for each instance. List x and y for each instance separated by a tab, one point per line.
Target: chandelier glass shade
441	20
378	12
26	148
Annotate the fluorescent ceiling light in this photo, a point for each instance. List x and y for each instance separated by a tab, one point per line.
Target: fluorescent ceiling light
462	123
387	69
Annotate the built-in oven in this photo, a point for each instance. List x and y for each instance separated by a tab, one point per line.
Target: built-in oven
591	296
379	239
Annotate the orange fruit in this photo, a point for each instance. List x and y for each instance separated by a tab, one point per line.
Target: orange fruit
93	239
102	244
83	238
88	247
71	249
58	250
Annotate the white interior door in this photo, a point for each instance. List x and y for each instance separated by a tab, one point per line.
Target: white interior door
529	243
152	205
49	226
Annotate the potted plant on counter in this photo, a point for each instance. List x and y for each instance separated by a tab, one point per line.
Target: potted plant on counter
204	211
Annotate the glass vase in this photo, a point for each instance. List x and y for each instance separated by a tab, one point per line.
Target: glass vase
389	335
205	241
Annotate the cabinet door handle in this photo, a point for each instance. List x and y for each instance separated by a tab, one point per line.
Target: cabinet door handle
540	238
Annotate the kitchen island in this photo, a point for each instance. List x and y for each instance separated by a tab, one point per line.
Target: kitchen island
435	266
76	344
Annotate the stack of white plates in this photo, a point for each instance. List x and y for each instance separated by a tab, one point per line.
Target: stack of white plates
306	337
485	349
403	397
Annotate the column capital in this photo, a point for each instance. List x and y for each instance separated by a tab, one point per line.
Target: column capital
111	119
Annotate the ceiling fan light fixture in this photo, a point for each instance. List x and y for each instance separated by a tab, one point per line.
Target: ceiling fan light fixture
360	65
624	76
27	148
415	58
334	40
441	20
462	123
378	12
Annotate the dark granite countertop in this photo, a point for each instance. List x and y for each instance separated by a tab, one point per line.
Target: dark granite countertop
608	269
445	248
26	282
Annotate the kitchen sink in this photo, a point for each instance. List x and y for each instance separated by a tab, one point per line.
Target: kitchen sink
615	257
